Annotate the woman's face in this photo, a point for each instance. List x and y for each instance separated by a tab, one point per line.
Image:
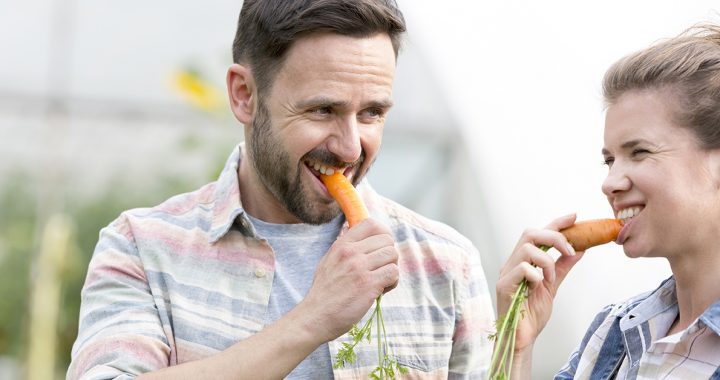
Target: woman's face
659	180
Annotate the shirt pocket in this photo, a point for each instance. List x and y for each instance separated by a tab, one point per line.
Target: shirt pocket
425	347
425	355
419	347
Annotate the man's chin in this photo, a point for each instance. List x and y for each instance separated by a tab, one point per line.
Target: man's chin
317	218
324	217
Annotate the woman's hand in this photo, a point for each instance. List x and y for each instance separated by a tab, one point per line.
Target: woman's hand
544	276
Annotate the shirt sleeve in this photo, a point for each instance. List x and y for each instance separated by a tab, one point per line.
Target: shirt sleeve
120	334
472	349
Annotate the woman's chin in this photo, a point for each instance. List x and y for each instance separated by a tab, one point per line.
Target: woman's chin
631	250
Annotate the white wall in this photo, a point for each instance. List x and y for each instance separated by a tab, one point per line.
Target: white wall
523	78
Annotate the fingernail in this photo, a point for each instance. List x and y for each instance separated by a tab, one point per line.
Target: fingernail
571	249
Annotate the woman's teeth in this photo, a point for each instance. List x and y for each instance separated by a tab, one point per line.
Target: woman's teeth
626	214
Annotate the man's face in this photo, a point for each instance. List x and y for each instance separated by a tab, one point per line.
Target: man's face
326	109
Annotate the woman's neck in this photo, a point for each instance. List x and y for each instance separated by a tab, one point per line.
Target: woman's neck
697	285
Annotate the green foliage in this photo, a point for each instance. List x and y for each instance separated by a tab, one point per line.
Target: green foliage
17	227
18	244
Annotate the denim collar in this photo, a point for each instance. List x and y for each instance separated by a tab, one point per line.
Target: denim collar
644	307
711	317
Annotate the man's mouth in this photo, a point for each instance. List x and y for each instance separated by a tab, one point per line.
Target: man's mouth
318	168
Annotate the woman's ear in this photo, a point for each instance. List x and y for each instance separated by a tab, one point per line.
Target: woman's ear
242	93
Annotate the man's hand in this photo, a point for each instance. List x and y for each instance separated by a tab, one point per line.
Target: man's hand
360	266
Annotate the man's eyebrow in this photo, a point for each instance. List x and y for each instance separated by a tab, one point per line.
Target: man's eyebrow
385	103
320	101
626	145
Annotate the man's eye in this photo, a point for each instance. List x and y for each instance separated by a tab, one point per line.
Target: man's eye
321	111
639	152
608	161
372	113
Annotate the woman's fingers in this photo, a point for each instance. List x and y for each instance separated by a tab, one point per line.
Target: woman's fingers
508	283
529	258
564	221
523	271
564	264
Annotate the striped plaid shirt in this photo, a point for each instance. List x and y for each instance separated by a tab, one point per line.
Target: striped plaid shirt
628	341
188	278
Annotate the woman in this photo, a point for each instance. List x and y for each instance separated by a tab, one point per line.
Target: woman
662	149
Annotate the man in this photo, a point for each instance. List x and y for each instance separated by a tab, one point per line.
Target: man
256	275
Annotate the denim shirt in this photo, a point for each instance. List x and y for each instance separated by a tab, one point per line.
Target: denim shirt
627	330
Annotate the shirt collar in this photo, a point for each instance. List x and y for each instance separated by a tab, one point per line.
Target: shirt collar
711	317
226	205
645	307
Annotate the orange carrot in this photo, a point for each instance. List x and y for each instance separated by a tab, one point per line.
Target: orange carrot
345	195
589	233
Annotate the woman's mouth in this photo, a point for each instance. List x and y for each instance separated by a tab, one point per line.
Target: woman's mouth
626	215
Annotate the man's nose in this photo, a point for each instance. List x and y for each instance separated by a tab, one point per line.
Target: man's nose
345	141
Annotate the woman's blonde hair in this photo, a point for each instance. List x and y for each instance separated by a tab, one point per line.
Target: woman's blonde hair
688	67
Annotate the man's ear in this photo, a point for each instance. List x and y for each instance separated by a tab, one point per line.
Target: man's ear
242	92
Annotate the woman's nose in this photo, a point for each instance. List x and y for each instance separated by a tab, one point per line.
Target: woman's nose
616	181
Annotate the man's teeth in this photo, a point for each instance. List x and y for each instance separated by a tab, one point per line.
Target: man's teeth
628	213
323	169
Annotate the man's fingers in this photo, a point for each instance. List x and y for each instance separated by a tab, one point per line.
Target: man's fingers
381	257
387	277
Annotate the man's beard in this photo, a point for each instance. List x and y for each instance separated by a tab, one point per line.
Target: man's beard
273	166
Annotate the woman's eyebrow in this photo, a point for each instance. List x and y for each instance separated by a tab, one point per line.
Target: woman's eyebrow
626	145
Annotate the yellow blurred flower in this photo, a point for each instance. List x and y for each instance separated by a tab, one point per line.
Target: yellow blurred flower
197	91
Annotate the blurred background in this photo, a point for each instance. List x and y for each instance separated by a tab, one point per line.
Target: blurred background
110	105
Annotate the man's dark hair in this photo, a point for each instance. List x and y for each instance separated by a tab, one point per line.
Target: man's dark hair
268	28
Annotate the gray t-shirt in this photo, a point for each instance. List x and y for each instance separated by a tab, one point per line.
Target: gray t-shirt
298	249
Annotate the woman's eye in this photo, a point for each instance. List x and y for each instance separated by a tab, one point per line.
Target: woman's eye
608	161
638	152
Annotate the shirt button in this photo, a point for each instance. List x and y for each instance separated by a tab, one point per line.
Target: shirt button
259	272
